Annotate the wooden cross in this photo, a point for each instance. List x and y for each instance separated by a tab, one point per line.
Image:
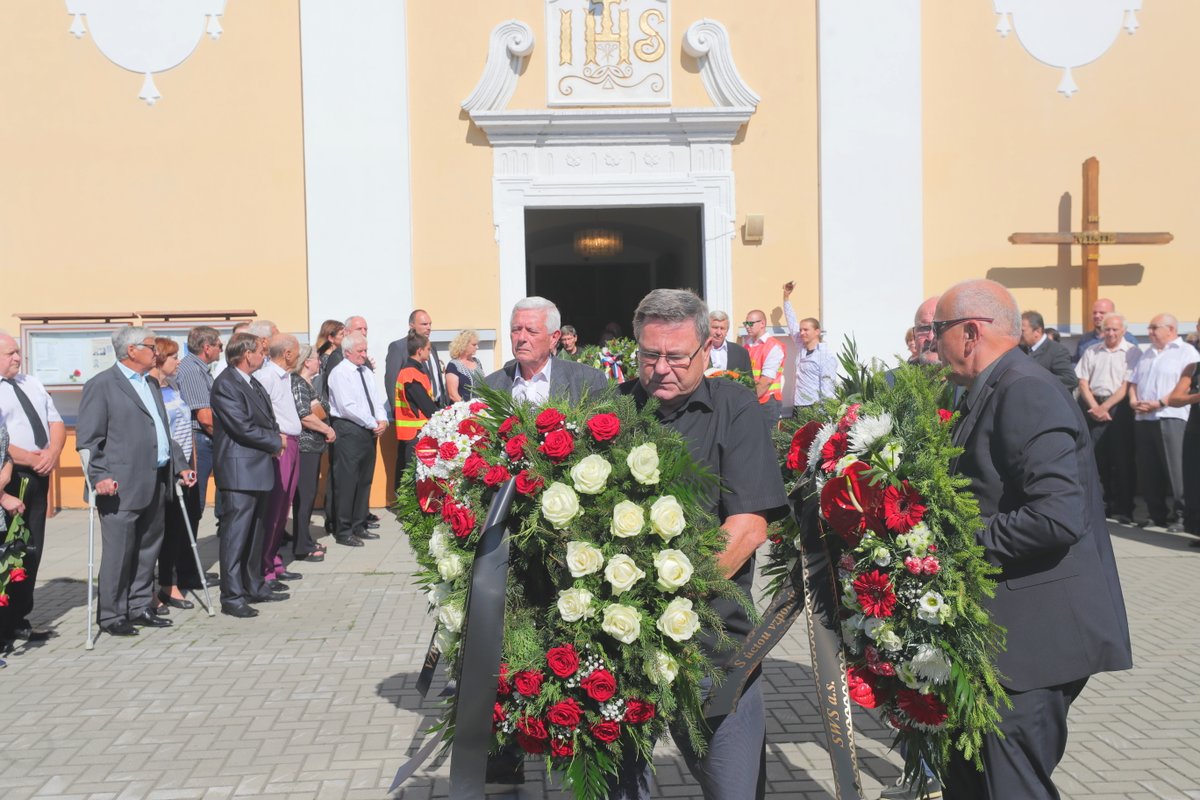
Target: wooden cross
1090	239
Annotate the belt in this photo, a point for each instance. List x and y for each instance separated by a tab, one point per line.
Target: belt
348	421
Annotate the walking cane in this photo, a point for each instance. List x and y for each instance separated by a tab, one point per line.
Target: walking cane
85	457
187	520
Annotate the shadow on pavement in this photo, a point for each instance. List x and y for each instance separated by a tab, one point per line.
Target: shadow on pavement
1180	542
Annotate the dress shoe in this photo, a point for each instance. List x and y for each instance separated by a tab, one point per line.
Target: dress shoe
30	633
150	620
1123	519
288	576
372	517
241	610
367	535
175	602
349	540
269	597
277	586
371	525
162	611
315	557
122	628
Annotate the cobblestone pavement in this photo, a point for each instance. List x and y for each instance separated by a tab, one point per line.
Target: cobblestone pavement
315	698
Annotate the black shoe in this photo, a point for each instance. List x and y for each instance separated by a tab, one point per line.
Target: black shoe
371	525
289	576
349	540
315	557
122	628
241	610
163	610
367	535
372	517
277	586
270	597
30	633
329	527
150	620
175	602
1123	519
1194	543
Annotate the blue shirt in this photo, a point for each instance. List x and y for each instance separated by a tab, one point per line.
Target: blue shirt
142	388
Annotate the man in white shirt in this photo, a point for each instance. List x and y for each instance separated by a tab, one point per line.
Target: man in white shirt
1158	428
275	377
816	364
724	354
359	411
36	438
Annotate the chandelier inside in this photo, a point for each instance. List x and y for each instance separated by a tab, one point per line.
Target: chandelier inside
592	242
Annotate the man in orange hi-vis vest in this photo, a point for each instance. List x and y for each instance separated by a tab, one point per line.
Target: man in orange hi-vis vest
766	364
414	398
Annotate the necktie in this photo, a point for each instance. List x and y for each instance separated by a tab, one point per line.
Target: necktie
262	393
362	377
40	438
435	377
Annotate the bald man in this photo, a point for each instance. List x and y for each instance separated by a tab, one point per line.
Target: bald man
1028	457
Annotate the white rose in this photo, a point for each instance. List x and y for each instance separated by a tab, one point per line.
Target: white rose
663	668
623	623
678	621
446	640
881	556
889	641
628	519
590	474
871	626
643	463
622	572
451	618
560	504
450	567
439	541
438	594
583	559
674	569
575	604
666	517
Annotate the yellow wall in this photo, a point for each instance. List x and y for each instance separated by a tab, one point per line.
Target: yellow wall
1002	146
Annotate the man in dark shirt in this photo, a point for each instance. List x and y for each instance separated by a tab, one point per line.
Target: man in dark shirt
727	433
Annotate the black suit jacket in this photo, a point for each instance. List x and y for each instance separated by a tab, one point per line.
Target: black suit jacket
739	358
1029	459
1055	357
245	435
567	379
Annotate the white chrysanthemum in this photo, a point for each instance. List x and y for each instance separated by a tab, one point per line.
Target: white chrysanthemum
929	607
869	430
814	449
931	664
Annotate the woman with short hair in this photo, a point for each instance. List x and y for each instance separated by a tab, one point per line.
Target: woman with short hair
462	365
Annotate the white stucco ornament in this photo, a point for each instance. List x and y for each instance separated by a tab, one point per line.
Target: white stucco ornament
1066	33
146	36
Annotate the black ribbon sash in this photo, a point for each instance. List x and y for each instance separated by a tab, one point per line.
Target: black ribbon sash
817	574
481	642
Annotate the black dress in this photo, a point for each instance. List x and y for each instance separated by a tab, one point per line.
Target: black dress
457	367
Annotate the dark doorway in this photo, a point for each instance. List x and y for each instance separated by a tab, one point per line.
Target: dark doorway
633	250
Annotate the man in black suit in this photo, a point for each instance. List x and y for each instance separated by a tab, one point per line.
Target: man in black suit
534	375
725	354
245	439
1052	355
1028	456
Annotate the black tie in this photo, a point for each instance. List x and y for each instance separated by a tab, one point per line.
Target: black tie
35	422
362	377
262	393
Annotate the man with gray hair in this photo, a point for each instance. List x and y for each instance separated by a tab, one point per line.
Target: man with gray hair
535	375
123	426
724	354
275	377
195	380
726	432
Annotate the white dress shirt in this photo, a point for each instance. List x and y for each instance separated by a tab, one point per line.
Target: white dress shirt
718	356
278	383
536	390
13	416
348	399
1156	374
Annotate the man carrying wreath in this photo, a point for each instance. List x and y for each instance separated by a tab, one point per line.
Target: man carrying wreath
727	434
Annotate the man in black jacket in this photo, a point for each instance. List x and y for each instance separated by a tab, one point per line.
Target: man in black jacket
1052	355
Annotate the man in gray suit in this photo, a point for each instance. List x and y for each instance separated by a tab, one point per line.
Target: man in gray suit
246	439
534	376
123	426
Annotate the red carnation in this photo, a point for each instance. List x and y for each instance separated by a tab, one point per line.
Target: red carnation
797	457
914	565
514	448
506	427
558	446
604	427
460	519
528	682
566	713
945	415
549	420
563	748
426	450
875	594
849	418
833	450
607	731
600	685
923	708
477	406
498	714
902	508
496	475
503	687
863	688
473	466
639	711
3	599
16	574
849	502
562	660
471	428
930	565
529	484
448	451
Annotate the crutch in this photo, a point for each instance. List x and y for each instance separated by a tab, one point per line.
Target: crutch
85	457
187	520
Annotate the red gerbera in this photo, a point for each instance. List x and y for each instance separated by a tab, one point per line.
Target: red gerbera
875	594
902	508
923	708
833	450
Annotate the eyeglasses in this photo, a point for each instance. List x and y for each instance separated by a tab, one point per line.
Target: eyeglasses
151	347
750	323
674	360
940	326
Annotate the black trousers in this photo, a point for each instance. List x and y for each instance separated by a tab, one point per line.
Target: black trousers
1112	442
176	564
352	470
241	533
1020	764
302	504
1191	472
20	595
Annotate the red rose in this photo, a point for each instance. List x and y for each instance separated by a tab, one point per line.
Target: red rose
849	502
515	447
16	574
473	466
429	496
902	508
600	685
930	565
498	715
549	420
639	711
503	687
563	660
797	457
945	415
528	682
565	712
447	451
471	428
460	519
558	445
849	418
477	406
496	475
529	484
604	427
607	731
506	427
875	594
3	599
833	450
531	734
862	687
923	708
426	450
563	748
